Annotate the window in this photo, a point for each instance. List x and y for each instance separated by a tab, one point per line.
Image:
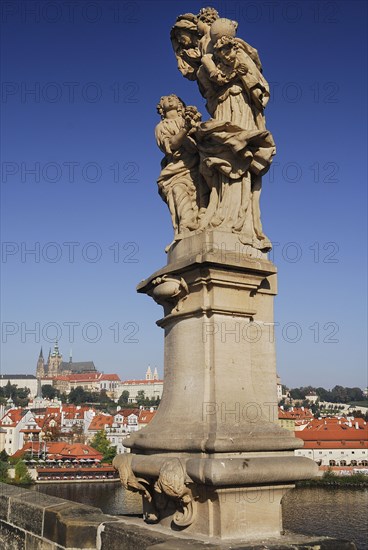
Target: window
332	463
330	452
342	462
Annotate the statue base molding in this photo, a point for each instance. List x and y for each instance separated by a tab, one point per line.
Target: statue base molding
214	460
228	497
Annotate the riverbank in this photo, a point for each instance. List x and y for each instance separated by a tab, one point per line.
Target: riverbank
350	482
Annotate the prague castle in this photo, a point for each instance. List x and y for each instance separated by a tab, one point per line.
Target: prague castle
55	366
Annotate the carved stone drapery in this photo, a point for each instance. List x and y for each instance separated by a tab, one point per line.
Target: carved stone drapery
212	171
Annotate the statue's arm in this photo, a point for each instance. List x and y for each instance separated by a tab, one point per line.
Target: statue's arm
213	72
177	140
167	142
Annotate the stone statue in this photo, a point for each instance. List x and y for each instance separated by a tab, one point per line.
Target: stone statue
217	299
179	176
211	176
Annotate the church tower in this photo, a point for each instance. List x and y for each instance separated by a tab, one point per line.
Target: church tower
155	374
149	374
54	362
40	370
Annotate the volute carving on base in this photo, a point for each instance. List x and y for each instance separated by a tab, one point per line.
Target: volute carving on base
123	463
171	482
171	488
170	292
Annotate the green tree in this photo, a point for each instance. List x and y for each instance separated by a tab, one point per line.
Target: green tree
21	397
4	473
10	390
124	398
78	395
339	394
4	456
104	399
329	475
323	394
297	393
103	446
21	474
49	392
140	399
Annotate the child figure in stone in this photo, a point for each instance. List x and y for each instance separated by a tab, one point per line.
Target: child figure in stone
179	176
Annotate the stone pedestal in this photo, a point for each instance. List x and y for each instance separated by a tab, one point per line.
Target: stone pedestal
214	460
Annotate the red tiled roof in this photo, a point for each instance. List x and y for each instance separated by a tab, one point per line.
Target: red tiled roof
296	413
61	450
334	433
337	432
15	415
110	377
99	422
128	412
145	416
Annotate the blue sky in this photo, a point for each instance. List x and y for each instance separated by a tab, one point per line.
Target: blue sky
80	84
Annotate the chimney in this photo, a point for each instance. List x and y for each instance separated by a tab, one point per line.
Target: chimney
357	425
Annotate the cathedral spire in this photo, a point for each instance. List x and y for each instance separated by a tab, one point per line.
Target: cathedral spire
54	362
40	369
56	352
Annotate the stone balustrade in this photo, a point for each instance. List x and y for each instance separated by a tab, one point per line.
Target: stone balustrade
30	520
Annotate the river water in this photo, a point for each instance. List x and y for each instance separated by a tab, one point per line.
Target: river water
312	511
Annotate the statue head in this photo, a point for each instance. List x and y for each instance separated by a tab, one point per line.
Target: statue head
169	103
205	19
226	49
184	33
